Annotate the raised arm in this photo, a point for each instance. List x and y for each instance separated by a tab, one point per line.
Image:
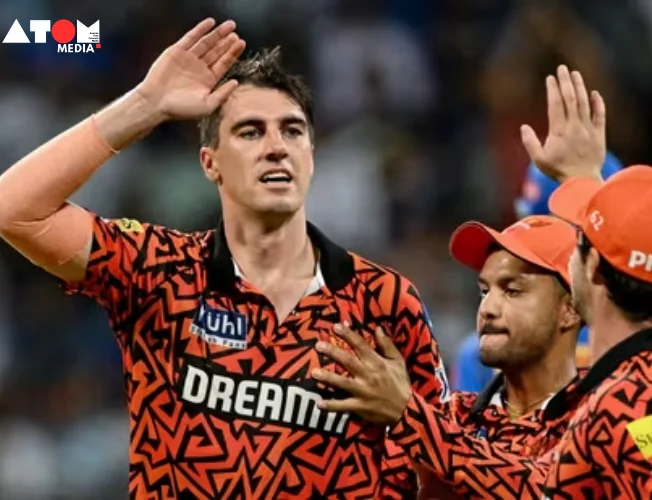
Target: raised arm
35	216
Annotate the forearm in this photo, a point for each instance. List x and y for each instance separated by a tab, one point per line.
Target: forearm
126	120
39	184
35	217
472	466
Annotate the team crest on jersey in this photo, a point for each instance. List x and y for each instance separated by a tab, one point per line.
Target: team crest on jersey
129	226
217	327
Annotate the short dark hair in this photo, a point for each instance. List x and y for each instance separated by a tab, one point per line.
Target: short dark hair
263	70
631	295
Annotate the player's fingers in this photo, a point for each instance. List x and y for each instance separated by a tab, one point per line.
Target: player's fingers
219	49
532	144
228	59
567	92
195	34
387	347
336	380
583	106
599	111
351	405
221	94
556	113
208	41
204	44
348	360
356	341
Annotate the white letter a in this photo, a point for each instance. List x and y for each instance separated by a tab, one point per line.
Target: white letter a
16	34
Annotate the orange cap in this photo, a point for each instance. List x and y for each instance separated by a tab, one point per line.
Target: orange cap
542	240
615	216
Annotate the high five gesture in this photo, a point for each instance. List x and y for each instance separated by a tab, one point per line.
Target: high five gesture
576	142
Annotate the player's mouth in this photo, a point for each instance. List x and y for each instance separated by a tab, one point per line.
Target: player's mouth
276	176
490	330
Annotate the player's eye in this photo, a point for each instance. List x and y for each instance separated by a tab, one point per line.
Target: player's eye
250	133
512	292
294	132
483	292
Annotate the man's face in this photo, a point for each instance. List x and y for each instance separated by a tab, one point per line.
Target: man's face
264	160
520	313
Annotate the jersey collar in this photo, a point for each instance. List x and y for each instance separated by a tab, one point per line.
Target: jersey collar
316	283
554	407
492	395
335	265
489	394
606	365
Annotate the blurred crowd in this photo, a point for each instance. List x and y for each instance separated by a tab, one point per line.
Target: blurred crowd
418	108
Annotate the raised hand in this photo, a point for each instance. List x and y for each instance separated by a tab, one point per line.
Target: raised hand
180	84
576	142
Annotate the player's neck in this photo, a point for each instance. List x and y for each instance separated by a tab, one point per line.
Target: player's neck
528	388
609	327
267	248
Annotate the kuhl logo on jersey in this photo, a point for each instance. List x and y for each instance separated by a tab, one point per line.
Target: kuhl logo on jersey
224	328
262	399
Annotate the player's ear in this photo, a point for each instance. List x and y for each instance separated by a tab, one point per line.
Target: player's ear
570	318
593	275
210	165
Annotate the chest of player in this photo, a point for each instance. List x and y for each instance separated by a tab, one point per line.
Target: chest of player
230	356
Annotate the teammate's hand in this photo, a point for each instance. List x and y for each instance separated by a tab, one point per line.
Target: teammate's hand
576	142
379	385
180	83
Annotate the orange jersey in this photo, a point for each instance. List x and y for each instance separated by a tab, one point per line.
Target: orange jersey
533	434
220	398
607	452
476	435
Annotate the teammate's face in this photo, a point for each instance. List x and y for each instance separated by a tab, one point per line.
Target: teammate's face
520	313
264	160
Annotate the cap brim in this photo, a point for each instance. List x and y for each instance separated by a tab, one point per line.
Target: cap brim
470	242
570	200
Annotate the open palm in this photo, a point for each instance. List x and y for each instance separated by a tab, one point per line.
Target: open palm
576	142
181	82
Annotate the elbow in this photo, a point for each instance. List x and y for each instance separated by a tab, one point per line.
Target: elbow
9	223
12	229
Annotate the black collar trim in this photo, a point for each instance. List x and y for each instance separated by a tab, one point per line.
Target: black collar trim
602	369
556	407
484	398
336	263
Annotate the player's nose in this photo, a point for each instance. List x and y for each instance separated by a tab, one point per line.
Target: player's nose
275	147
489	307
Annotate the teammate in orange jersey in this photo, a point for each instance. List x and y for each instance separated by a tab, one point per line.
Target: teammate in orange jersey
218	328
607	452
528	329
615	392
468	373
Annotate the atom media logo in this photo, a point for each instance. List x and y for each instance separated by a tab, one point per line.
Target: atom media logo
63	32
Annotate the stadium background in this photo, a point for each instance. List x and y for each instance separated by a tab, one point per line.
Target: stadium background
418	109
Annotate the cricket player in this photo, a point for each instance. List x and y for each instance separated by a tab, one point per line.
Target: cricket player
217	329
469	374
604	452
